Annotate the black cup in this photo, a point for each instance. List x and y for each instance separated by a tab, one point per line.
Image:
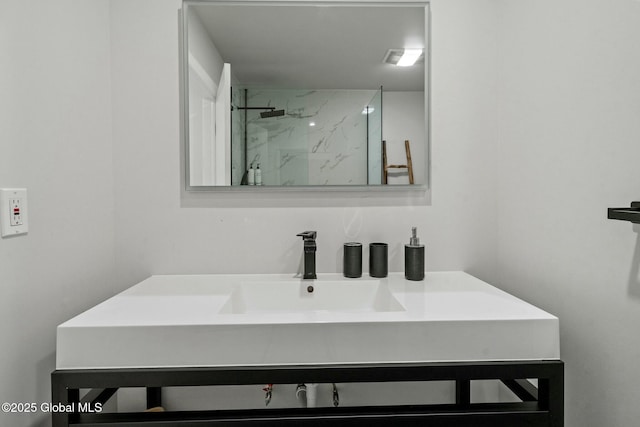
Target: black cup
352	259
378	259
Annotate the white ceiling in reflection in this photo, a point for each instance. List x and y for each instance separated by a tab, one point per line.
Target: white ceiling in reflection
317	47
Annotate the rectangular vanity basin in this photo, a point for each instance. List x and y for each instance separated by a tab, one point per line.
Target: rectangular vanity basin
241	320
311	296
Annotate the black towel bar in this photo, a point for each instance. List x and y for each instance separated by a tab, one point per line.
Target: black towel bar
626	214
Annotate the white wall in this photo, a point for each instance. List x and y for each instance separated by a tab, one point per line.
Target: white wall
156	235
565	93
570	145
203	49
90	106
160	230
403	116
55	140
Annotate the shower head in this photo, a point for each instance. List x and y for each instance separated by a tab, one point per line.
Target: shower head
272	113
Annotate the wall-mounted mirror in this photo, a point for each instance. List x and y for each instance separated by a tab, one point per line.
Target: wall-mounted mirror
297	94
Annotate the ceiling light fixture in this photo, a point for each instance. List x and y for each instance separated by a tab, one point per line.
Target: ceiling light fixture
409	57
404	57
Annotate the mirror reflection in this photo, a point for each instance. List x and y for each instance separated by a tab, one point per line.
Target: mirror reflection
305	94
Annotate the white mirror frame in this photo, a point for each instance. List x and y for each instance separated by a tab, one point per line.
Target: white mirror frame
395	189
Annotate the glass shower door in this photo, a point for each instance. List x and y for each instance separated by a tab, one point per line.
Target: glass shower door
374	139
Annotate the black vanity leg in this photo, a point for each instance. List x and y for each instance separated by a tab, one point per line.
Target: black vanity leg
62	396
463	392
552	390
551	395
154	397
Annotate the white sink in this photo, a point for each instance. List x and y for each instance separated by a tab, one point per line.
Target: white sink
227	320
290	297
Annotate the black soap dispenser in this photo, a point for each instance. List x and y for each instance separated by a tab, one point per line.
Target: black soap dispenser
414	258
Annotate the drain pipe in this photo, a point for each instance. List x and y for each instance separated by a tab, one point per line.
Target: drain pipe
307	394
312	395
301	389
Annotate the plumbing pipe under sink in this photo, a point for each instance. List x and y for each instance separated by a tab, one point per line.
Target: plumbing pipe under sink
309	392
312	395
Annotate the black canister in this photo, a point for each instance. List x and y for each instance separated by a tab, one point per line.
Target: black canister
378	259
352	261
414	258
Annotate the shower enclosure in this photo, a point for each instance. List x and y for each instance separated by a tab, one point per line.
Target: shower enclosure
307	137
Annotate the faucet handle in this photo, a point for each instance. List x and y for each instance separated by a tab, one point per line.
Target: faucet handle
308	235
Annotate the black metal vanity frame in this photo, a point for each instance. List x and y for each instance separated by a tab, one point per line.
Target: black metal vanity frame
541	406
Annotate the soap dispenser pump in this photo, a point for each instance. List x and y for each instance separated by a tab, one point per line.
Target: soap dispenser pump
414	258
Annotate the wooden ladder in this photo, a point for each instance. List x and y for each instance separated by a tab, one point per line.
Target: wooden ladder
386	167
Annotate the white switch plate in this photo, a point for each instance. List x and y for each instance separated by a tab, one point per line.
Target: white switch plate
13	211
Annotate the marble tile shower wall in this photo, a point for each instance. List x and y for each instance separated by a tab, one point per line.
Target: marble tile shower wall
321	139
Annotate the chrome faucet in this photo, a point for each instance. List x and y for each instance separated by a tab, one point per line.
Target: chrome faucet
309	239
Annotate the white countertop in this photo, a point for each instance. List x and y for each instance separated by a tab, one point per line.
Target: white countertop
197	320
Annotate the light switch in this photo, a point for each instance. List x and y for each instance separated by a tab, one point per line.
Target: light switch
13	211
